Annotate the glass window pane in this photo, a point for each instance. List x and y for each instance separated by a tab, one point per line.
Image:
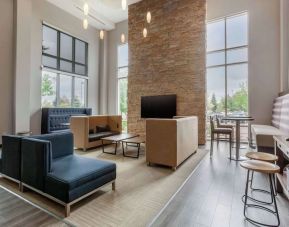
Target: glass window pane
216	35
49	62
65	66
217	58
237	98
80	69
79	92
237	55
49	41
48	89
237	31
122	100
123	55
123	72
216	90
65	89
65	46
80	51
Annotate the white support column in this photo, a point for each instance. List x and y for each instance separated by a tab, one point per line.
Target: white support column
284	45
22	70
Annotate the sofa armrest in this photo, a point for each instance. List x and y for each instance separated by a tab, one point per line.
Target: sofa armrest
79	126
36	162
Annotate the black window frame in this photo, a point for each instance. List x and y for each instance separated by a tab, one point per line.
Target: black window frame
58	58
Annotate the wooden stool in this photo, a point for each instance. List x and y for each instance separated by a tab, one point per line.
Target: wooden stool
261	156
262	167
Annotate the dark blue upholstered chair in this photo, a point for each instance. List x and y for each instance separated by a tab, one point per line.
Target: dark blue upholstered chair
50	167
11	157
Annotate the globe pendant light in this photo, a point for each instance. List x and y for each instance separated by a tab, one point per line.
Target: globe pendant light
149	17
123	4
101	34
122	38
85	23
85	9
145	32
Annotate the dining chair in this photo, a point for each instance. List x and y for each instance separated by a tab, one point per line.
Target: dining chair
220	131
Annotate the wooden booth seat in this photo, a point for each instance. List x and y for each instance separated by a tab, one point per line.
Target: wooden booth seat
89	130
262	135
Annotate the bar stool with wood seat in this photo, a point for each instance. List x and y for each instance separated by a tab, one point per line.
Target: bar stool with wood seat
266	168
266	157
220	131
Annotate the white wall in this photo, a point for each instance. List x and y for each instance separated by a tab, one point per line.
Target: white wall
264	50
44	11
113	42
6	67
284	41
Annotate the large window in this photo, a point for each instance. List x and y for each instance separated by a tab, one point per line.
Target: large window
122	83
227	66
65	70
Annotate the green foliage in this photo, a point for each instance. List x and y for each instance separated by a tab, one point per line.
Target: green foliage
238	101
47	86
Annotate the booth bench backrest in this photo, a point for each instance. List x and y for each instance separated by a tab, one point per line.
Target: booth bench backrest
53	119
280	113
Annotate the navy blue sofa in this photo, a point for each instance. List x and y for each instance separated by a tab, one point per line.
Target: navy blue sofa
11	158
47	165
57	119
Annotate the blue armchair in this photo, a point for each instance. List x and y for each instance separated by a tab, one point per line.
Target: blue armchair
50	167
11	157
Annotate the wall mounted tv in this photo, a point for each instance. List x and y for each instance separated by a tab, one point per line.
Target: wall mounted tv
163	106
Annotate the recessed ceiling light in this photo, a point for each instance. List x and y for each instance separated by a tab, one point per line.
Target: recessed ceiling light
85	23
85	9
123	4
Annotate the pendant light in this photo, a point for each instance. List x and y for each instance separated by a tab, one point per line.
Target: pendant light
85	23
149	17
85	9
145	32
101	34
122	38
123	4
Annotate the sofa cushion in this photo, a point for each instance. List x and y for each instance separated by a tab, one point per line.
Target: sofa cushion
265	130
73	171
60	131
102	128
100	135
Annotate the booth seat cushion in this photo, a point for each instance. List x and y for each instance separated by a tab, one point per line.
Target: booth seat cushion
77	175
97	136
263	135
73	171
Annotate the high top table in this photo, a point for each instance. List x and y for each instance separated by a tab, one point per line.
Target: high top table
238	120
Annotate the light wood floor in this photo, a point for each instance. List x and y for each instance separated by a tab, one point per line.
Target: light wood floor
17	212
212	197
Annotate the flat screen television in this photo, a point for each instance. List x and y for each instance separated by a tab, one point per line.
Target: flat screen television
162	106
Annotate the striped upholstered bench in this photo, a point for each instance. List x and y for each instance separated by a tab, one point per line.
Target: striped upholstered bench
262	135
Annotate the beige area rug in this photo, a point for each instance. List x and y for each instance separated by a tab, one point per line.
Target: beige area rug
141	192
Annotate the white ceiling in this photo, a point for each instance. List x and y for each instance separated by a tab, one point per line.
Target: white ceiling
103	14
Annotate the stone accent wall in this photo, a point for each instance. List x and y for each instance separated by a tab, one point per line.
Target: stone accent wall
171	60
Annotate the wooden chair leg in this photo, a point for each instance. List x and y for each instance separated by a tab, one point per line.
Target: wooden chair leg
212	145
